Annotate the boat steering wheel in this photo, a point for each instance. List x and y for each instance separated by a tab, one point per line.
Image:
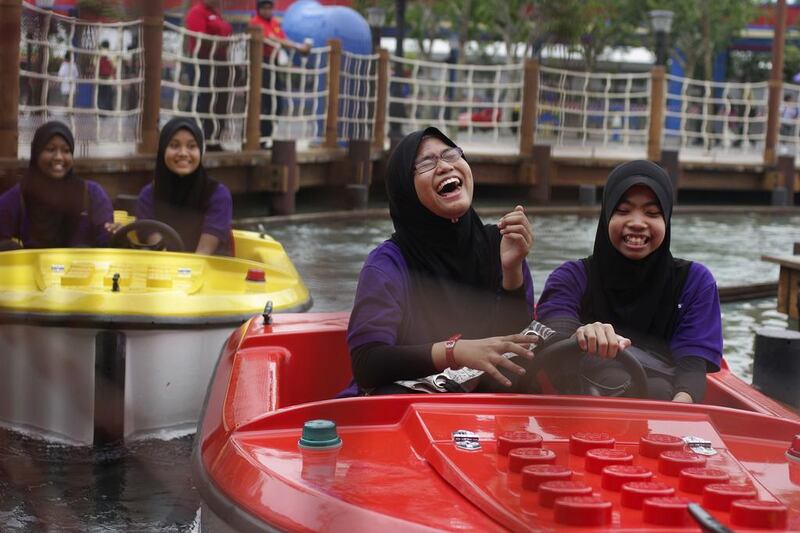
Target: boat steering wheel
170	239
567	352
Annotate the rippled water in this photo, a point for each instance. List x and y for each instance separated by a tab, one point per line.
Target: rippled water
147	485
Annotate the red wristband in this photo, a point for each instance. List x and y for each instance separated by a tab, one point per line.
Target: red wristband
449	351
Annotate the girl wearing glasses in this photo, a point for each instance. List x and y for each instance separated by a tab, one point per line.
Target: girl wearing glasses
631	292
445	290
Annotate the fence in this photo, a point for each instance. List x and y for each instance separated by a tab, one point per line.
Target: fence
331	96
476	103
358	96
294	93
704	116
89	75
207	78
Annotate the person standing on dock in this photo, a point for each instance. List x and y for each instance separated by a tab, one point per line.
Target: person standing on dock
631	293
205	17
273	33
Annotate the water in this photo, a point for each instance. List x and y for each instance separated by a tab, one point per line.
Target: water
147	485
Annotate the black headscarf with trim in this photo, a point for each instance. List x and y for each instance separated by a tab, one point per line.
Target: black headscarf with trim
454	268
53	206
181	201
638	297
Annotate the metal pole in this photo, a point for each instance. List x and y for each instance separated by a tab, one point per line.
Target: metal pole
10	29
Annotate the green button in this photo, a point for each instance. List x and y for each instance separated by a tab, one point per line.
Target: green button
319	434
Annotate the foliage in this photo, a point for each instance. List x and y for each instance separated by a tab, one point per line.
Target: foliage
703	28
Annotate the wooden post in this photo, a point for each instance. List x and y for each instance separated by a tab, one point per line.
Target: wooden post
359	174
334	68
671	163
379	135
530	104
657	104
284	154
10	31
152	29
253	137
775	85
542	166
787	170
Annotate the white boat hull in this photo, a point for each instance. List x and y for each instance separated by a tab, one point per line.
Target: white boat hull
50	386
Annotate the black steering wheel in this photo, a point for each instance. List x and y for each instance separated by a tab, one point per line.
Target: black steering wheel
567	352
170	239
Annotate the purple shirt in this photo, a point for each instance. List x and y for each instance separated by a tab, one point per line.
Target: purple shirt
381	307
699	327
216	220
89	233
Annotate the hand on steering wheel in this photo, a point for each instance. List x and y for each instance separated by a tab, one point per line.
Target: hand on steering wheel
170	239
567	353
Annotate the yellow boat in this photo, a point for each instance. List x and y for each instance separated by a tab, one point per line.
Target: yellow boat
105	344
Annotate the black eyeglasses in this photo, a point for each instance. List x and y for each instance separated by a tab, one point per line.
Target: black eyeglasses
451	155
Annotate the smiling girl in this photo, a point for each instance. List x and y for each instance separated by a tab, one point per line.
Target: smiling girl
183	196
51	207
445	290
632	292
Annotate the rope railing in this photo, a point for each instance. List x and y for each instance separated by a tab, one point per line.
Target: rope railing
294	93
789	130
358	96
476	103
594	109
206	78
706	116
68	73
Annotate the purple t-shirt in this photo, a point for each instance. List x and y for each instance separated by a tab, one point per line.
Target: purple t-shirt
91	229
699	328
380	310
216	220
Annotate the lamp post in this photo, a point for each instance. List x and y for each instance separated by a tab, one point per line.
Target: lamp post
453	74
376	17
661	22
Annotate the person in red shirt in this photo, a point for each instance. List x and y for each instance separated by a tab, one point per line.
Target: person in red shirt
275	35
105	69
205	17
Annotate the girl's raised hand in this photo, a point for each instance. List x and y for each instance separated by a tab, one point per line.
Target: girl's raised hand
487	354
601	340
517	238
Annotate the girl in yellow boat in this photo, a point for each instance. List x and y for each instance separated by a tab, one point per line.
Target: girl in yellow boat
183	196
52	207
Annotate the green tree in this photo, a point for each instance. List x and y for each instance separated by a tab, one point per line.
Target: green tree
703	28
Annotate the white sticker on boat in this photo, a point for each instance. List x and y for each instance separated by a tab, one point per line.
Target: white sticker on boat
57	269
699	445
466	440
185	272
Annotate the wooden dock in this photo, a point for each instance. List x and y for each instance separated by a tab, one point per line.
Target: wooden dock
788	283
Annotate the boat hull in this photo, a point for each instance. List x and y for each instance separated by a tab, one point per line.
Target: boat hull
85	386
401	468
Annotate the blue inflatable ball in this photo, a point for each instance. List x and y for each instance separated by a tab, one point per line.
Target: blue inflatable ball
308	18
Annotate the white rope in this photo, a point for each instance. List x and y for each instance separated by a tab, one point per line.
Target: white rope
593	109
357	96
206	77
476	103
702	116
295	99
103	112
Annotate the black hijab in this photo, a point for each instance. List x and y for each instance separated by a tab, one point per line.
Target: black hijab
181	201
53	206
454	268
638	297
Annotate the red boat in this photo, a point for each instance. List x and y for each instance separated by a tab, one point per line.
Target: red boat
276	451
